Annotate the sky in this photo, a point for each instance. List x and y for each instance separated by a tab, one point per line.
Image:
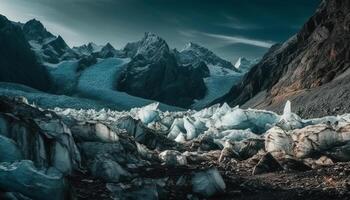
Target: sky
230	28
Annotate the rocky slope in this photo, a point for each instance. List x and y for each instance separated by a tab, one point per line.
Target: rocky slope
311	68
17	62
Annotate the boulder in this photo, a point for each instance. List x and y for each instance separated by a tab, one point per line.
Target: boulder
208	183
173	158
267	164
24	178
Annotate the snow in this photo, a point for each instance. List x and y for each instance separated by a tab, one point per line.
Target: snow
46	100
218	84
64	75
24	178
190	128
148	113
99	82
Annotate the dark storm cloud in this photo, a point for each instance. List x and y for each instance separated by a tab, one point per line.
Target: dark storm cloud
224	26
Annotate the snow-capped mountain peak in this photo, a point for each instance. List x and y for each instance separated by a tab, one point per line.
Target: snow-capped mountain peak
35	30
193	51
88	49
152	45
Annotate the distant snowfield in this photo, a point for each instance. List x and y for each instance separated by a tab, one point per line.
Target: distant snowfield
218	84
94	88
46	100
98	82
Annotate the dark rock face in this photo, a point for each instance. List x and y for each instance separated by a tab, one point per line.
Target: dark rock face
48	47
267	164
154	73
109	51
17	62
34	30
310	68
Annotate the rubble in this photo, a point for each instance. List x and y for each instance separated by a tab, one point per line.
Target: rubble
169	154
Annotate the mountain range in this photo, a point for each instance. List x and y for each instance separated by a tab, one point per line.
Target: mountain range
151	70
301	69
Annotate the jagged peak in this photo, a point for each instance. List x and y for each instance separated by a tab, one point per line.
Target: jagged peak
59	38
108	46
35	22
35	30
150	35
152	39
194	46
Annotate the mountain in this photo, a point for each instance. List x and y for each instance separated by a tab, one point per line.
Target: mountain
146	69
311	68
108	51
17	61
196	53
154	73
48	48
34	30
87	49
221	77
244	65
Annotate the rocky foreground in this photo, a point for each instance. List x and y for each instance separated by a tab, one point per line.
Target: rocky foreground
216	153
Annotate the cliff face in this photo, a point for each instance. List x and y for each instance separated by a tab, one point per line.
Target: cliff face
17	61
311	68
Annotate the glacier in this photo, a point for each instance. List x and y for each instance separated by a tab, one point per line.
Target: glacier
125	148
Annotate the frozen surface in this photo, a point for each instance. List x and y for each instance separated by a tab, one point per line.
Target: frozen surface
99	82
9	151
94	88
218	84
46	100
24	178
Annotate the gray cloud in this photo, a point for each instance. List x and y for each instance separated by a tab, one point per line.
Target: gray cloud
241	40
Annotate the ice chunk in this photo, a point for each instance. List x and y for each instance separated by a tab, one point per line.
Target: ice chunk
324	136
105	134
148	113
9	151
257	120
108	170
174	132
236	135
278	142
180	138
208	183
24	178
289	120
190	128
287	111
171	157
207	112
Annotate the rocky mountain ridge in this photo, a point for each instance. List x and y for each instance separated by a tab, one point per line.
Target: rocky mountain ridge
311	68
17	62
